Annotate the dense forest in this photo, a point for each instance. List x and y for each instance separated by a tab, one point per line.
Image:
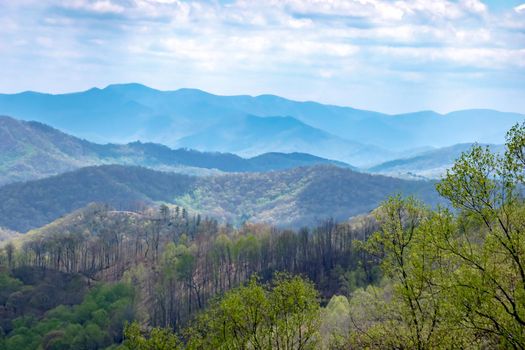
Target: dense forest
293	198
176	263
406	276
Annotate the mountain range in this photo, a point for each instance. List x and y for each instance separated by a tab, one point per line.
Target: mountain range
249	126
262	159
294	197
32	150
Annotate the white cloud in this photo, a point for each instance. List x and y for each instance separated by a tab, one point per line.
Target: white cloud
474	6
314	34
520	8
359	41
99	6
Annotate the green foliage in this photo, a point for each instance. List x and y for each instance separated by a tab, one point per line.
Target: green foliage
456	280
335	322
95	323
27	293
451	279
8	285
158	339
284	315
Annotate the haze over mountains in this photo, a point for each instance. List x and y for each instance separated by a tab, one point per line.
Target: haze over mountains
32	150
289	178
430	164
250	126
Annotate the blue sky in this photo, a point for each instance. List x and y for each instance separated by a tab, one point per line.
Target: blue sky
390	56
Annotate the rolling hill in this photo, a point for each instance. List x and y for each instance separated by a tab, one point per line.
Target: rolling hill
127	112
32	150
294	197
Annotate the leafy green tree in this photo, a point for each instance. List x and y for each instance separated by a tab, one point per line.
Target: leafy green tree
237	321
400	241
96	323
295	313
488	244
158	339
284	315
456	279
335	322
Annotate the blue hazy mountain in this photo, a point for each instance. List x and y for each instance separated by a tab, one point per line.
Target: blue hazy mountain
127	112
252	135
32	150
430	164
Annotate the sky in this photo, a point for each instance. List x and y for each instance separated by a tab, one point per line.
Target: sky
383	55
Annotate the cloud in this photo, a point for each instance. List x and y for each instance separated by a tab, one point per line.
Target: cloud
98	6
266	45
520	8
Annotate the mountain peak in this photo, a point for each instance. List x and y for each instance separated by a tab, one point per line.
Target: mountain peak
134	87
193	92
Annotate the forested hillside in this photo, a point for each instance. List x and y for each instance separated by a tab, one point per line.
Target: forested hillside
300	196
404	276
31	150
292	198
170	266
35	203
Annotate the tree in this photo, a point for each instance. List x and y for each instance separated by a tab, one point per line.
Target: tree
284	315
408	260
335	322
158	339
457	279
295	313
487	189
9	252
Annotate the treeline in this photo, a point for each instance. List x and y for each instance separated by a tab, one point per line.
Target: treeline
283	314
102	243
189	274
178	262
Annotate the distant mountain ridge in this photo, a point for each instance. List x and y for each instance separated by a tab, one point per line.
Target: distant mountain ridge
252	135
294	197
427	165
189	117
32	150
